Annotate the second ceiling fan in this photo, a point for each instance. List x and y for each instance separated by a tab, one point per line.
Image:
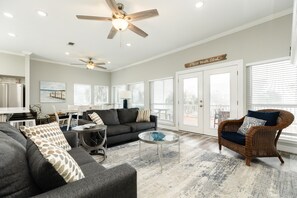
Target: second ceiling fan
121	20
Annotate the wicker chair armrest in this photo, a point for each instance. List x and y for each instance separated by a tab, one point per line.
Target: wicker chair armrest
230	125
259	135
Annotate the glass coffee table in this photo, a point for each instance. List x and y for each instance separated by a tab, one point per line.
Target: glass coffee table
159	138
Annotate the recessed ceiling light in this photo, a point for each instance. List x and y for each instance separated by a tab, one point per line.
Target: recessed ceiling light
199	4
11	35
67	53
41	13
7	14
108	62
128	44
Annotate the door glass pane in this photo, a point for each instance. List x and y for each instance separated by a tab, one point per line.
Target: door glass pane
190	101
219	98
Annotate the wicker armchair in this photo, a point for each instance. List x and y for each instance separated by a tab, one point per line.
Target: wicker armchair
260	141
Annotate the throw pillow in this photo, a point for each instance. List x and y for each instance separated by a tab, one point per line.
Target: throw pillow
96	118
270	117
143	115
248	122
50	165
51	132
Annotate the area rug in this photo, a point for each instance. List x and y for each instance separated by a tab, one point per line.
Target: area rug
199	173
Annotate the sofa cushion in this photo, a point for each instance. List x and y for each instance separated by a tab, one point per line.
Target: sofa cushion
15	178
50	165
81	156
92	168
13	133
127	115
117	130
51	132
234	137
140	126
270	117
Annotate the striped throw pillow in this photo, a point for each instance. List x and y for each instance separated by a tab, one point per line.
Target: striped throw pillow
143	115
96	118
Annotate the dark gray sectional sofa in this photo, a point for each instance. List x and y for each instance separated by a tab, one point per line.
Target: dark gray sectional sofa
121	124
16	177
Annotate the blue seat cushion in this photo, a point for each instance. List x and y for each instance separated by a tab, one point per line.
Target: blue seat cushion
234	137
270	117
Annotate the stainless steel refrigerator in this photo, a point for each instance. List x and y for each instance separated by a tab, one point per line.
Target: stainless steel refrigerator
12	95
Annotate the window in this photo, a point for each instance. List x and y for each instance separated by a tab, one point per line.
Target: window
100	94
274	85
137	92
162	99
82	94
116	90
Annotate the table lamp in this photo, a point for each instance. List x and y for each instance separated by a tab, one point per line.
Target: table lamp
125	95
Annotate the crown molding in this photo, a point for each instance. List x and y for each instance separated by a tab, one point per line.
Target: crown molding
214	37
11	53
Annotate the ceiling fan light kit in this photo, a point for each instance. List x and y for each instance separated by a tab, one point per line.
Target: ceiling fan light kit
120	24
90	66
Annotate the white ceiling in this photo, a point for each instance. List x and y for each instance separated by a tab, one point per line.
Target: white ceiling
179	24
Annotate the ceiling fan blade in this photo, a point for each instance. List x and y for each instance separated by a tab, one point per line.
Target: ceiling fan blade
137	30
77	64
113	6
97	64
112	33
96	18
82	60
142	15
100	67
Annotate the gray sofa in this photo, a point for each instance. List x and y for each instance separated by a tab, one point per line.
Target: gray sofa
16	179
121	124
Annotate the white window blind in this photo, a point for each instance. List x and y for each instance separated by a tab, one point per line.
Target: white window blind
100	94
137	91
161	100
274	85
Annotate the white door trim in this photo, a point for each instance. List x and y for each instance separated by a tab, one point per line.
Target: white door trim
241	88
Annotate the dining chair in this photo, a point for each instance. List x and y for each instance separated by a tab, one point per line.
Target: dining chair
61	119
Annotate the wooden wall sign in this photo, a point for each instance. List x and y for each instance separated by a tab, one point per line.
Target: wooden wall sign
207	60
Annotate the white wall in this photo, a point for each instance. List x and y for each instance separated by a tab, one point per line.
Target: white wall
265	41
12	65
60	73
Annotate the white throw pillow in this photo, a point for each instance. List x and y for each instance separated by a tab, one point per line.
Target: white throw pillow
60	159
248	122
96	118
143	115
51	132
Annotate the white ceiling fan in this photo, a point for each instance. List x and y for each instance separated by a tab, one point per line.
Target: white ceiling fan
121	20
90	64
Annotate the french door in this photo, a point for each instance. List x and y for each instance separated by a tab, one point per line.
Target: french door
207	97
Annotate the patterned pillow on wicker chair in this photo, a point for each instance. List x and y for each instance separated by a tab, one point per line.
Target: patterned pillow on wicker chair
248	123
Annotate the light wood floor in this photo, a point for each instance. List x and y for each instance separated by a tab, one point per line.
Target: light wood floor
210	143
